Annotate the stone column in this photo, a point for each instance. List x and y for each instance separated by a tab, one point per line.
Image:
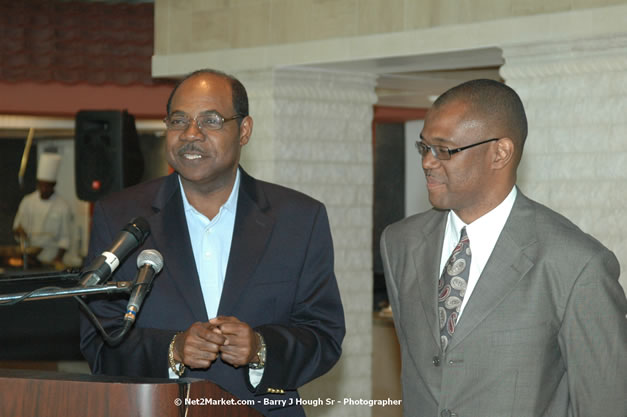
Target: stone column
575	159
313	132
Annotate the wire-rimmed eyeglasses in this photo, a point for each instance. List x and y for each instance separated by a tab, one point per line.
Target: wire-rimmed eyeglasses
205	121
442	152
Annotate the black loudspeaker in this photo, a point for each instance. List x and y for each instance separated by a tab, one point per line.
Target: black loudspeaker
107	153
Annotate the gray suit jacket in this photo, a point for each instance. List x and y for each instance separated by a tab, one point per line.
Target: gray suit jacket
543	334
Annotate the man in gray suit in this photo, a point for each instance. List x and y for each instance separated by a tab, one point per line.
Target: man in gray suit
502	306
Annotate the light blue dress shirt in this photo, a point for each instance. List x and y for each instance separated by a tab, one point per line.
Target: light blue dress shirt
211	243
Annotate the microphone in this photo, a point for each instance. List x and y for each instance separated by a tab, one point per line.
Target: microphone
149	263
129	239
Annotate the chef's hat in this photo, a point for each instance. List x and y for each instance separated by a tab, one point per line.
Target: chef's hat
48	167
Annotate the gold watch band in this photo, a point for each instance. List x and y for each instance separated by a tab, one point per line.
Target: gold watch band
177	367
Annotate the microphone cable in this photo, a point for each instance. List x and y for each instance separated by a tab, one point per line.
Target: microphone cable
110	340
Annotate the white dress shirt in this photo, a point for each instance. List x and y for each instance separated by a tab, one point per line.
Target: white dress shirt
482	234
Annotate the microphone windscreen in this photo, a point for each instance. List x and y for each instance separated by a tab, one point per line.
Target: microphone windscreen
152	257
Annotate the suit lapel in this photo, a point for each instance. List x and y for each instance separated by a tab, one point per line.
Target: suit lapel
177	249
507	265
427	261
253	227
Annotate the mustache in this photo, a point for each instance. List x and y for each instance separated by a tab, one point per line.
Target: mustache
188	148
429	174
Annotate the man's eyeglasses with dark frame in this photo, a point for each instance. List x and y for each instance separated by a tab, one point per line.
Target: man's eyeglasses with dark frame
206	121
442	152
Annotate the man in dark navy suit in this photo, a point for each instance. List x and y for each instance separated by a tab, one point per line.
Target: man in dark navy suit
248	297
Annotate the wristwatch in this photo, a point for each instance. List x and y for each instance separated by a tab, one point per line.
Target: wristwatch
261	354
177	367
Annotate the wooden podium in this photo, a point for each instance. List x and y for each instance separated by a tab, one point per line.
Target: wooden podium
52	394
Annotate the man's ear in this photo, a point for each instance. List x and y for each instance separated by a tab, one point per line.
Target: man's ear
245	130
504	154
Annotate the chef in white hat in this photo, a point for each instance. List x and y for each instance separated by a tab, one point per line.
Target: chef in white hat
43	217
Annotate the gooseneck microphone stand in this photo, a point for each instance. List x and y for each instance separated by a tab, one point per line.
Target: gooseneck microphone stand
46	293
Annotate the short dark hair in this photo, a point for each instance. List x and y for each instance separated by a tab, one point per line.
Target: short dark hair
493	100
239	95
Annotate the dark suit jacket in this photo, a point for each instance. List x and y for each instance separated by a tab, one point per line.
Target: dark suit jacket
543	333
279	280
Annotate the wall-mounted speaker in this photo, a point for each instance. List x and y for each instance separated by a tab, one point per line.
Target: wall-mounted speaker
107	153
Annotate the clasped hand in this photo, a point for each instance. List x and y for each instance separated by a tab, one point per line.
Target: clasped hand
201	344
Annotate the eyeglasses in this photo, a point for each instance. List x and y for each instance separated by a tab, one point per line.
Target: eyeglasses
206	121
442	152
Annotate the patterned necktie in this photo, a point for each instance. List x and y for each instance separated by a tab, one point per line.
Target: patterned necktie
452	288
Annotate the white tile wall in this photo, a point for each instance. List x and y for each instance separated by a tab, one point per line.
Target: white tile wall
575	158
312	132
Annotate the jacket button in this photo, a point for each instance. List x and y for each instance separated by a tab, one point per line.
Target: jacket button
445	413
436	361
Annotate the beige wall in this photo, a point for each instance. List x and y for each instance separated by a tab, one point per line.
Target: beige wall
187	26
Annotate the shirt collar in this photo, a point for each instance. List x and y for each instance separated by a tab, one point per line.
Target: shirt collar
493	220
231	202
